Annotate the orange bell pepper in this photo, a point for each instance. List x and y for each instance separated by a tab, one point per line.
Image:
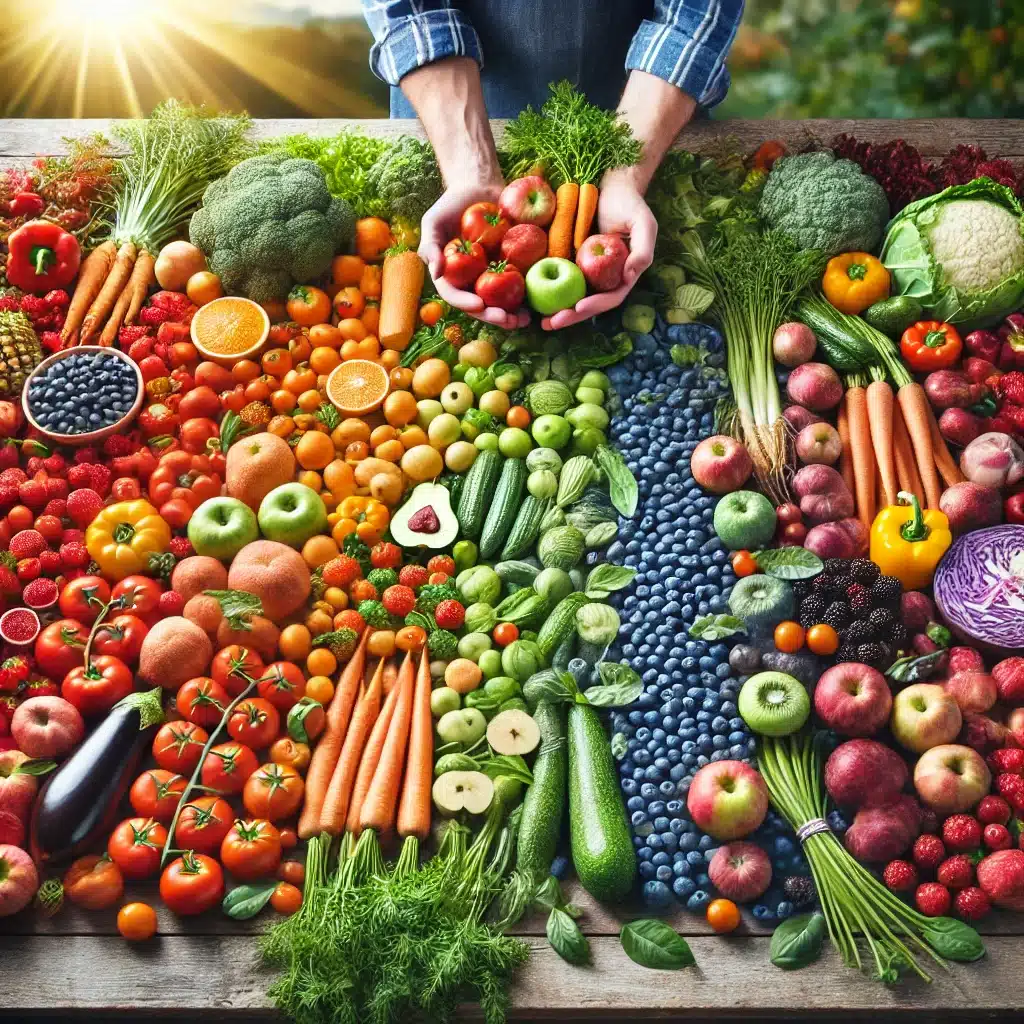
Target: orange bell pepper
366	517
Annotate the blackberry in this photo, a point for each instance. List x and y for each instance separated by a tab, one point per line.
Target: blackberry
860	603
801	589
881	621
846	652
854	589
835	566
871	653
843	583
799	890
863	570
856	633
811	610
837	615
886	590
822	584
898	637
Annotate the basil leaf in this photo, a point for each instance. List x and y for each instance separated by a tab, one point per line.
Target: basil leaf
34	766
791	563
797	941
600	534
717	627
551	685
566	938
614	695
511	765
618	746
549	894
237	606
914	668
953	939
653	944
622	488
605	578
245	901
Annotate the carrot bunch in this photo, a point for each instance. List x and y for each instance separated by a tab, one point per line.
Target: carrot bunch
575	209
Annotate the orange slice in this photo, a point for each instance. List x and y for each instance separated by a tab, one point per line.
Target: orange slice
357	386
230	329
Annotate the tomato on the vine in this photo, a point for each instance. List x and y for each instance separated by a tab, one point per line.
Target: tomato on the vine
192	884
135	846
121	637
156	794
232	664
83	598
227	766
255	722
273	791
504	633
177	746
202	701
283	684
99	687
94	882
486	224
203	823
252	849
139	595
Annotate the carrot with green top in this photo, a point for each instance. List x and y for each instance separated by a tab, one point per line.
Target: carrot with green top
585	214
561	231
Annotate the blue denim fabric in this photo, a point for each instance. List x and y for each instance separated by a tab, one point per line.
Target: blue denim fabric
522	45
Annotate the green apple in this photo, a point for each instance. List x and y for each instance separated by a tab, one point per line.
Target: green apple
465	726
443	700
444	429
553	284
427	410
744	520
221	527
291	514
551	431
490	663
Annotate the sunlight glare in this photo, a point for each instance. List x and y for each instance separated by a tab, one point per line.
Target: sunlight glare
110	17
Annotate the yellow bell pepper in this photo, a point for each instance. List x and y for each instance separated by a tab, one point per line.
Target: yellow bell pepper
123	536
366	517
855	280
908	542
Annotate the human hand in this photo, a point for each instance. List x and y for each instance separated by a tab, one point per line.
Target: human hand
439	226
621	210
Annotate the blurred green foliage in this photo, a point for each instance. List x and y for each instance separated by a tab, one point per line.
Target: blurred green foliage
878	58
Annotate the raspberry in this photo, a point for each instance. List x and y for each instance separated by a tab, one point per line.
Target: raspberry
57	298
900	876
928	852
34	465
139	344
1011	788
154	316
170	334
85	456
1009	759
442	563
118	444
1011	385
385	555
55	464
414	576
100	478
33	493
50	563
932	899
972	904
74	555
956	872
56	487
399	600
83	506
997	837
79	475
8	455
170	602
449	614
178	305
181	547
993	810
56	507
341	571
27	544
961	833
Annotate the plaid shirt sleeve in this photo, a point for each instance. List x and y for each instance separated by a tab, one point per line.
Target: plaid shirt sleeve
410	33
686	44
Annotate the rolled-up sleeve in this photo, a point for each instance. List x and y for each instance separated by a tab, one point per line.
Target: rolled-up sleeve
408	34
686	44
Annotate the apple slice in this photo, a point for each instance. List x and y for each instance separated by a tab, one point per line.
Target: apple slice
513	732
462	791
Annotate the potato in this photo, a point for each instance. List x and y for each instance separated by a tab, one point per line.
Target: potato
824	496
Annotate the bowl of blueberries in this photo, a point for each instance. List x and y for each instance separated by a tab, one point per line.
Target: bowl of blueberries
82	395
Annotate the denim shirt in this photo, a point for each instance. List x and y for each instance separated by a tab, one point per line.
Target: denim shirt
522	45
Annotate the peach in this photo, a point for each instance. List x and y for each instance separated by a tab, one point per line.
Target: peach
197	573
256	465
275	573
174	651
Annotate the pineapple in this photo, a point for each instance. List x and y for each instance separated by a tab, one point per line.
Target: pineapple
20	353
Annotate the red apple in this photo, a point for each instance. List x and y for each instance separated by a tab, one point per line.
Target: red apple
924	716
951	778
853	699
727	799
12	829
1001	875
601	258
528	200
47	727
740	871
17	788
1015	723
18	879
523	245
721	464
972	690
864	773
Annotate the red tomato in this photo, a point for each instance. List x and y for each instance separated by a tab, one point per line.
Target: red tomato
233	400
200	401
152	367
273	791
121	637
227	766
255	722
464	262
213	375
202	701
504	633
84	598
156	794
139	595
126	488
93	882
177	746
283	684
135	846
252	849
286	898
232	664
203	823
192	884
60	647
484	223
99	687
196	432
501	285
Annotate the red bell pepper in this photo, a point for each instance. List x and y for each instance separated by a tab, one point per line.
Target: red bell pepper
42	256
158	418
930	345
181	476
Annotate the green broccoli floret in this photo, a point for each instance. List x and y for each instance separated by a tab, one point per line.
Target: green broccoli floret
374	614
271	223
406	180
382	579
443	644
825	203
430	595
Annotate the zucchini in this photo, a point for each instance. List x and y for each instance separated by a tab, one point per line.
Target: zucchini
599	837
476	493
504	507
544	804
513	571
563	653
560	624
526	526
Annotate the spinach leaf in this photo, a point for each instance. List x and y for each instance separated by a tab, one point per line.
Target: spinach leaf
790	563
954	940
716	627
653	944
620	685
566	938
552	685
605	578
622	488
510	765
245	901
797	941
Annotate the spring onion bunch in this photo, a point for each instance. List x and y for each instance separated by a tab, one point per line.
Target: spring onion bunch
858	909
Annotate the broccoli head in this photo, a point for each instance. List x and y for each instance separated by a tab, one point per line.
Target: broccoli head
406	180
824	203
271	223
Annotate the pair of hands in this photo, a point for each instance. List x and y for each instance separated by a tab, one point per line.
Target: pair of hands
621	209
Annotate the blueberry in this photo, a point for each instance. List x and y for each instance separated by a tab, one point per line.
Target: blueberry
698	901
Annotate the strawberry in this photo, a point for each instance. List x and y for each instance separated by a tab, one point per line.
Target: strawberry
399	600
961	833
78	475
181	547
34	465
170	602
928	852
8	580
1011	386
73	555
8	497
956	872
56	507
1015	415
414	576
27	544
83	506
442	563
972	904
100	479
28	569
385	555
56	487
50	563
8	705
154	316
1009	759
118	445
85	456
72	536
900	876
140	347
993	810
42	687
8	455
13	672
932	899
449	614
1011	788
341	571
33	494
55	464
14	476
997	837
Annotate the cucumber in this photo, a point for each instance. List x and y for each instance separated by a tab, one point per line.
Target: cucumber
560	623
544	804
504	507
526	526
599	837
563	653
476	493
513	571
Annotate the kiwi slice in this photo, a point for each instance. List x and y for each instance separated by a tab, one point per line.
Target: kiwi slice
774	703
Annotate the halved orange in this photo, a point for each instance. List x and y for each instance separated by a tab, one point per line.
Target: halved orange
230	329
357	386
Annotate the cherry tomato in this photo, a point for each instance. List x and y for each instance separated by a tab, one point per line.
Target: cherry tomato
252	849
723	916
518	416
289	838
99	687
822	639
793	535
202	701
136	922
227	766
126	488
194	434
83	598
177	746
283	684
286	898
156	794
135	847
234	399
484	223
464	262
744	563
255	722
788	513
291	871
203	823
789	637
93	882
232	664
501	285
192	884
121	637
504	633
139	594
273	791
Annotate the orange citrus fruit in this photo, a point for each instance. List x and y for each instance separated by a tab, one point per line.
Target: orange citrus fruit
228	329
357	386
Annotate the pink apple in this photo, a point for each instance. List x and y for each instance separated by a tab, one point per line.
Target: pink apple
18	878
740	871
1015	723
853	699
17	788
721	464
12	829
878	834
727	799
924	716
47	727
951	778
973	690
601	258
528	200
523	245
864	773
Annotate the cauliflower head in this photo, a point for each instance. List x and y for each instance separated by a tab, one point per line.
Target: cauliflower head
270	223
824	203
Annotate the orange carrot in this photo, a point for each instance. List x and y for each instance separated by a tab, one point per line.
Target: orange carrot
414	806
585	214
339	792
944	462
906	467
845	459
401	284
371	757
390	677
560	232
861	454
914	403
328	750
91	276
143	277
116	318
880	402
108	294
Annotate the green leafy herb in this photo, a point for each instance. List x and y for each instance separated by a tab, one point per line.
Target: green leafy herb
797	941
34	766
653	944
356	548
237	606
716	627
792	563
245	901
510	765
550	684
566	938
606	578
620	685
622	488
914	668
954	940
600	535
297	716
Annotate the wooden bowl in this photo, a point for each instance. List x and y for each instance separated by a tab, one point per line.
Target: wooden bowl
92	436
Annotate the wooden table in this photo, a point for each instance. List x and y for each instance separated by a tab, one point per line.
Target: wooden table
76	965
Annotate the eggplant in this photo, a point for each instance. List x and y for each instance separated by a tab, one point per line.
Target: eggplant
79	803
